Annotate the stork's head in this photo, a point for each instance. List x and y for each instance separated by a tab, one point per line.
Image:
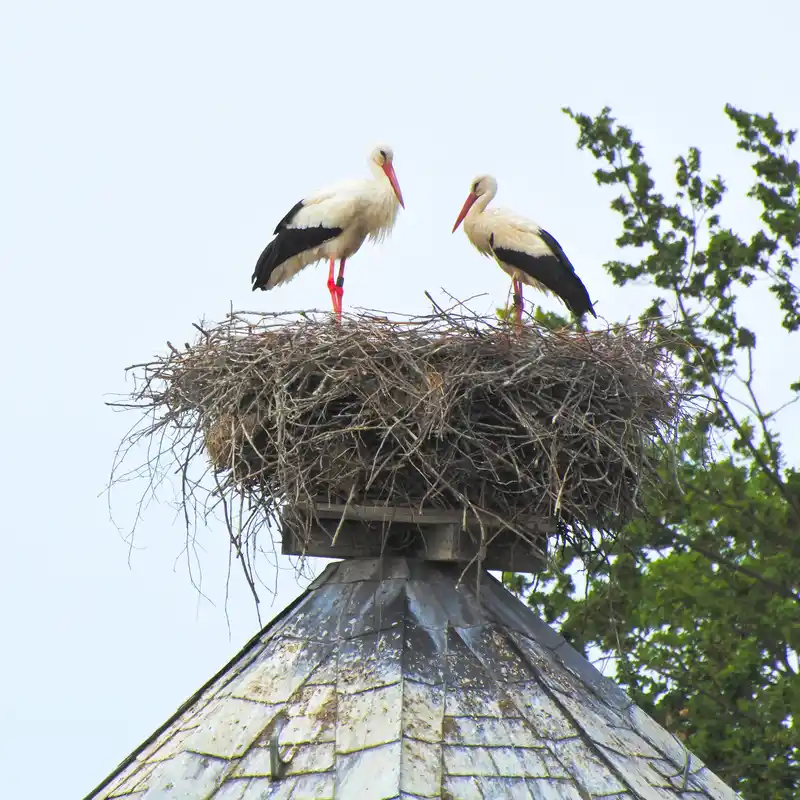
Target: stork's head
483	186
380	159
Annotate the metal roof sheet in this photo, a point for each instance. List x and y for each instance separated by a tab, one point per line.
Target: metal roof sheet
390	679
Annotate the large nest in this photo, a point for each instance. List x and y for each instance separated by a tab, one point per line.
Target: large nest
444	412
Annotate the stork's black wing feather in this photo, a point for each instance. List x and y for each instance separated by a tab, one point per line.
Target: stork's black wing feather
558	250
288	243
288	218
554	272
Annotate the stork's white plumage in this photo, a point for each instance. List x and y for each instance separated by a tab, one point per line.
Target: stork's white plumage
525	251
333	224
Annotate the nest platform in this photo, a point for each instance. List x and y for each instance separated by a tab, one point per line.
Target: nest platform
333	530
449	437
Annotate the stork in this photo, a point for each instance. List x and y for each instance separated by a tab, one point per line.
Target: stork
333	224
524	251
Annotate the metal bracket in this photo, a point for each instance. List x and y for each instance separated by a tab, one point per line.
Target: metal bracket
687	765
276	762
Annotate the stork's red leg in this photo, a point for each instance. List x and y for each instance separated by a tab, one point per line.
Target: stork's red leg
518	302
340	288
332	283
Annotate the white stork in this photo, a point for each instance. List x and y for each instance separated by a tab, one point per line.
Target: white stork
333	224
526	252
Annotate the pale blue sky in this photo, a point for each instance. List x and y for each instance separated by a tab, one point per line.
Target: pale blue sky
146	152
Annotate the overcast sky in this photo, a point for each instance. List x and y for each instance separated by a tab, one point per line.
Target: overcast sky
146	152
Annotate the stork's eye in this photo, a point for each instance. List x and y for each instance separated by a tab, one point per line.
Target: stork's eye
384	156
475	187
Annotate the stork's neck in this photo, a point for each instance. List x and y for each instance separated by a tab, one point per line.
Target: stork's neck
382	187
379	174
479	206
474	219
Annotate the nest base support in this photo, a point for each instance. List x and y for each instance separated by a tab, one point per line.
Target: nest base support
338	531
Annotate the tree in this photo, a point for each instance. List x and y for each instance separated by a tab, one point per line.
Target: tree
698	600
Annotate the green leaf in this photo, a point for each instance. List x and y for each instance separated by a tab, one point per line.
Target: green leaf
745	338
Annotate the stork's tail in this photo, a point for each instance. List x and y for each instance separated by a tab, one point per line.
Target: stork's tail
577	298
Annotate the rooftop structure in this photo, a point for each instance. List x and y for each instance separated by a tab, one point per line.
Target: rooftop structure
399	678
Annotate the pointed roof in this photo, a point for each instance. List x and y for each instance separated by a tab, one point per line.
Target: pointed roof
392	679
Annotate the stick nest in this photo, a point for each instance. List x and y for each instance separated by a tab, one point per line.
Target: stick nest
444	411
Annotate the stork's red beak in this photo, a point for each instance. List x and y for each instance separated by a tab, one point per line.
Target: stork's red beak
471	198
389	170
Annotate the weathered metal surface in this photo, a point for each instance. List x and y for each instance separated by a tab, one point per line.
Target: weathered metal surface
393	679
357	531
